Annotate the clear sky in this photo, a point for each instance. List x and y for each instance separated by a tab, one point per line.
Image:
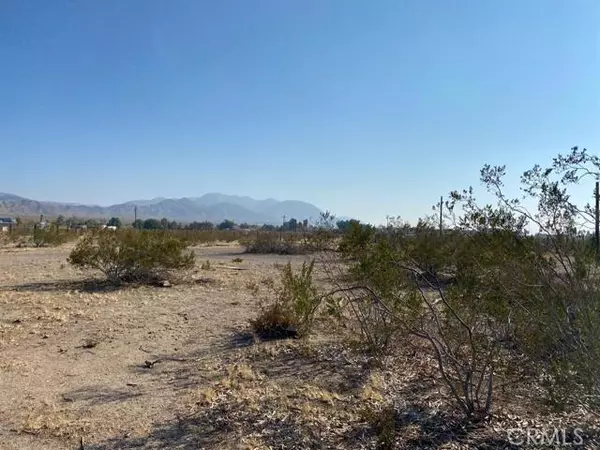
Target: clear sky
363	107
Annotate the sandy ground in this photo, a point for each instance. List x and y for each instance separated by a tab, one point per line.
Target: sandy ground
72	362
154	368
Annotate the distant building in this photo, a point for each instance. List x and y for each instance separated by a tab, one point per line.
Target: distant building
6	223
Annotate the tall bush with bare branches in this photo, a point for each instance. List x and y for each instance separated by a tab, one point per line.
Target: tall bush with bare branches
491	303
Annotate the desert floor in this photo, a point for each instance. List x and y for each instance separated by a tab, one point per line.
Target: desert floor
175	367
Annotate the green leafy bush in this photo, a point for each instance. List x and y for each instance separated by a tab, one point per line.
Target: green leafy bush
321	240
114	222
487	300
48	237
271	243
356	239
293	310
197	236
226	225
132	256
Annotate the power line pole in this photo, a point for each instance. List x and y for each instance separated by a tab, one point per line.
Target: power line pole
282	225
441	214
597	211
135	216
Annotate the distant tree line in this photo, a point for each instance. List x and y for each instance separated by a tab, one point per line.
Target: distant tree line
293	225
289	225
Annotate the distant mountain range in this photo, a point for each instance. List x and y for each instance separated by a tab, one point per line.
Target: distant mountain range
210	207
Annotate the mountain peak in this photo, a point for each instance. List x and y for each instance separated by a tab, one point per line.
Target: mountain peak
213	207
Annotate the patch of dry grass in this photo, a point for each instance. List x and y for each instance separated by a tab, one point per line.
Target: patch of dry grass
56	422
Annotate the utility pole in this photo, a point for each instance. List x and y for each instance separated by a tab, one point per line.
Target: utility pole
597	211
135	216
441	215
282	225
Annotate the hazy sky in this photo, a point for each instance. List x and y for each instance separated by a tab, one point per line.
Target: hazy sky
366	108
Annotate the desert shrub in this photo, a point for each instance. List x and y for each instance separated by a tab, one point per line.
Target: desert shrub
382	419
275	321
271	243
392	297
291	310
487	300
132	256
49	237
356	238
299	291
4	238
321	240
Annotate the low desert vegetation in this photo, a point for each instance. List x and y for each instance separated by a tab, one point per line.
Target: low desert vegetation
404	336
50	237
319	239
132	256
275	243
290	308
492	305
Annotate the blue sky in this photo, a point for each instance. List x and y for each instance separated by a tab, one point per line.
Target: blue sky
366	108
